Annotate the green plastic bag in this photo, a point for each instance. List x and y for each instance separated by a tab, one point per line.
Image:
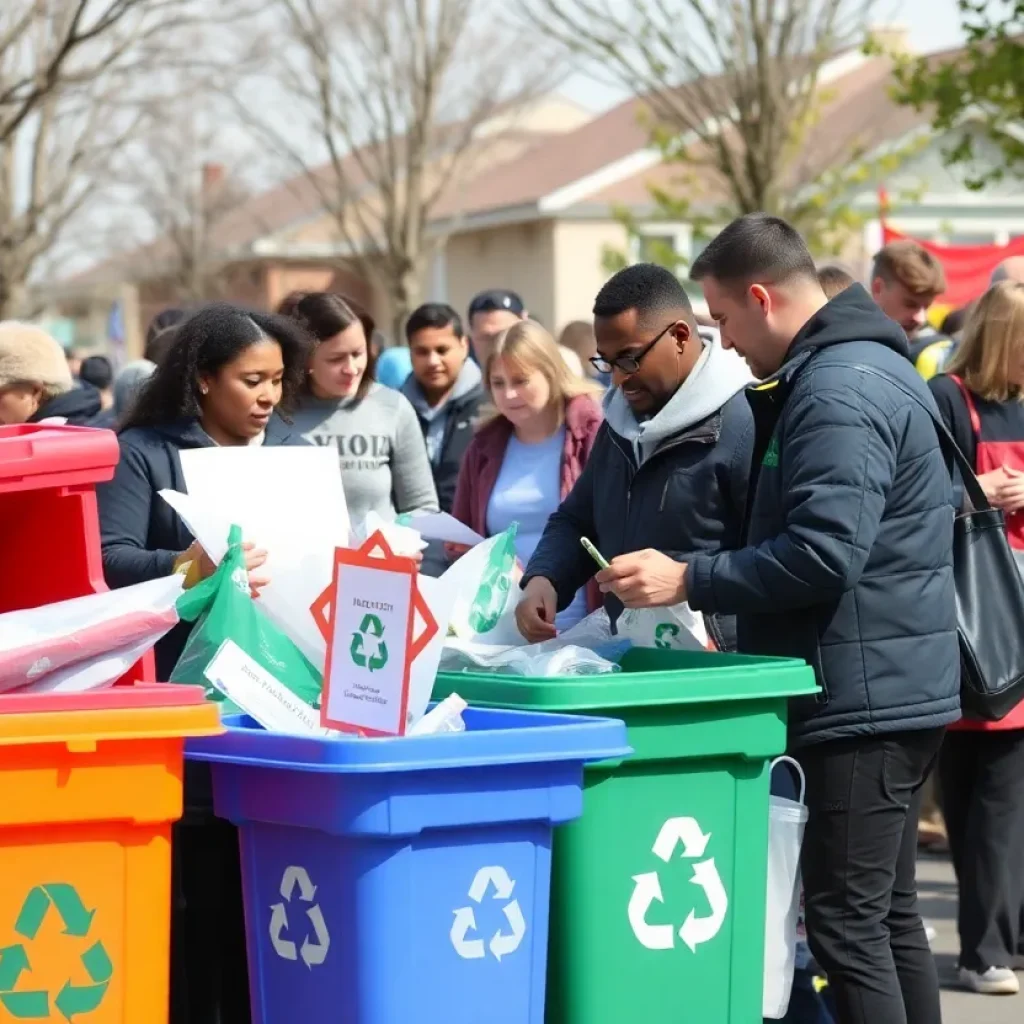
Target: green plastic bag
223	609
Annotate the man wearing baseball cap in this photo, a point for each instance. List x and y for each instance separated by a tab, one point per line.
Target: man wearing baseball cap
494	311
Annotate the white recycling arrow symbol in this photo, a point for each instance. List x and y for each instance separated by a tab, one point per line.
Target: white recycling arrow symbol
647	889
314	948
502	943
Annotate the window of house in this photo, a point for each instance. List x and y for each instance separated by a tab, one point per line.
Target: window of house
660	243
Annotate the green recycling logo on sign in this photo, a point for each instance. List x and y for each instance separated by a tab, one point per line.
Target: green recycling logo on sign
72	999
371	626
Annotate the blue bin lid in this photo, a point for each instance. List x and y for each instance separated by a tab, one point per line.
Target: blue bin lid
492	737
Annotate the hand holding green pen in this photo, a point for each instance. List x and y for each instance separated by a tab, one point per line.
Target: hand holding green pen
612	605
596	555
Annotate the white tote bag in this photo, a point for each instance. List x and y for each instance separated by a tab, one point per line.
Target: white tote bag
786	822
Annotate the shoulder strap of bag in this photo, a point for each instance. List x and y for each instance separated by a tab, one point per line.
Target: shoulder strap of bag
946	440
972	409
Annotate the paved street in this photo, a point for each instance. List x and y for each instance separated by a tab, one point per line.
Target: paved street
938	905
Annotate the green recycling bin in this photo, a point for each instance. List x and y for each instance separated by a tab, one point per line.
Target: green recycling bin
658	890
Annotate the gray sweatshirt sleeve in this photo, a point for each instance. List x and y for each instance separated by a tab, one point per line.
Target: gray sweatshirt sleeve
412	479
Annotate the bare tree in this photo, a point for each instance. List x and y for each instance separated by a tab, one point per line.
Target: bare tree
396	92
182	181
732	88
78	79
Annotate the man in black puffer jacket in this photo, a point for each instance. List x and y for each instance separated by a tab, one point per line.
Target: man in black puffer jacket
848	564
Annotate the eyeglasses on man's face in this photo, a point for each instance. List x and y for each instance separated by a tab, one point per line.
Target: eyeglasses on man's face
630	362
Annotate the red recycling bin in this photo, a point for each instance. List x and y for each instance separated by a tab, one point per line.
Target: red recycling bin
49	525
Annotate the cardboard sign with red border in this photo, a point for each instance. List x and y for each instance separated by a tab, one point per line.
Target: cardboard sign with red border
368	616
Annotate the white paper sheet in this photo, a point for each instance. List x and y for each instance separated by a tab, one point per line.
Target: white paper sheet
444	527
289	501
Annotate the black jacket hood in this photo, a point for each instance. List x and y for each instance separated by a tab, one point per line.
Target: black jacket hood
851	316
79	406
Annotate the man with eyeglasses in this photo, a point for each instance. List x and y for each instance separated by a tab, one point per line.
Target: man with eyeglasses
669	467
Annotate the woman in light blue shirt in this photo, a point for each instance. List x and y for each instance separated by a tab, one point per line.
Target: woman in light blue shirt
533	446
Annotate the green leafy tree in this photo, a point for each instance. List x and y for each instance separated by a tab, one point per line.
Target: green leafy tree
977	92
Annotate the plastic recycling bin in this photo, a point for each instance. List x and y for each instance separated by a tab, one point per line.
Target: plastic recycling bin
91	784
658	890
391	881
48	516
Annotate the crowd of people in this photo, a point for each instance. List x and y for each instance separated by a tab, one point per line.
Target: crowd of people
776	465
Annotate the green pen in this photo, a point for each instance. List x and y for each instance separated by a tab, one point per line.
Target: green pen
594	553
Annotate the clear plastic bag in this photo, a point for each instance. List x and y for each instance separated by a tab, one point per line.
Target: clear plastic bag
787	820
549	659
39	641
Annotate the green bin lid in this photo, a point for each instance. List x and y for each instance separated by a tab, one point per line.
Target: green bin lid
649	677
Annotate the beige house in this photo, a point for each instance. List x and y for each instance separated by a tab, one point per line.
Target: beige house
539	212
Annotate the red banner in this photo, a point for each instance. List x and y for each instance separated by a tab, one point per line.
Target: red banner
968	267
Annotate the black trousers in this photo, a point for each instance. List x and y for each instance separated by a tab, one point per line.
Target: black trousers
982	784
209	978
859	872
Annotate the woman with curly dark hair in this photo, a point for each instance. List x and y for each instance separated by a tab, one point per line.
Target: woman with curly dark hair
220	383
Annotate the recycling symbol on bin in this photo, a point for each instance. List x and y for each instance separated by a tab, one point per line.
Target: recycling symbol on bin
314	948
83	992
695	930
501	943
371	626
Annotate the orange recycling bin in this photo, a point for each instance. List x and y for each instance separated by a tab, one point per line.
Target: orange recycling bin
90	785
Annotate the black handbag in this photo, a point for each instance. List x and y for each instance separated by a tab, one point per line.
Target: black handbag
989	591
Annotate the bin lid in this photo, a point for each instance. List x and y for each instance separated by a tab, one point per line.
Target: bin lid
649	677
36	456
139	711
492	737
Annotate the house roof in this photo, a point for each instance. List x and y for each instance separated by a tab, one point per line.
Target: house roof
606	161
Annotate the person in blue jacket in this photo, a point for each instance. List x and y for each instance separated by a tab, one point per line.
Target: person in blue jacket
221	383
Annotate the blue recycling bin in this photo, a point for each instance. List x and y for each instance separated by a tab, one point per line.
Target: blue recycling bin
402	881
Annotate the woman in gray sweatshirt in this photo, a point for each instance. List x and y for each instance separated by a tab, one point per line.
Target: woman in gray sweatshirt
384	464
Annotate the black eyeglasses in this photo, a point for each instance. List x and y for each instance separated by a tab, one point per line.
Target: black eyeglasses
628	364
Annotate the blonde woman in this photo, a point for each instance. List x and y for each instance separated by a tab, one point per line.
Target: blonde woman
981	765
532	445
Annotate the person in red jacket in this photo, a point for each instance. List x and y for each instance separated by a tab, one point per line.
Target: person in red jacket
981	765
531	447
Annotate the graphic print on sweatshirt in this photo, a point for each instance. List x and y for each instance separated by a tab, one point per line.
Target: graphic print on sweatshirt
357	452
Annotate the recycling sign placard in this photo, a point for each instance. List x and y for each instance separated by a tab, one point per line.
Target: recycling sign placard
316	941
467	942
368	647
696	929
81	993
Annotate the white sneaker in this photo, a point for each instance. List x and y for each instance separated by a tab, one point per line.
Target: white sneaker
996	981
930	933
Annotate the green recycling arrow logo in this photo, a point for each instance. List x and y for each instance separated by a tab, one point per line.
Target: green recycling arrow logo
73	999
664	634
371	626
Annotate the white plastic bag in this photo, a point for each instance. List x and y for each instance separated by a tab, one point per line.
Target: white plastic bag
484	584
675	629
786	822
38	641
